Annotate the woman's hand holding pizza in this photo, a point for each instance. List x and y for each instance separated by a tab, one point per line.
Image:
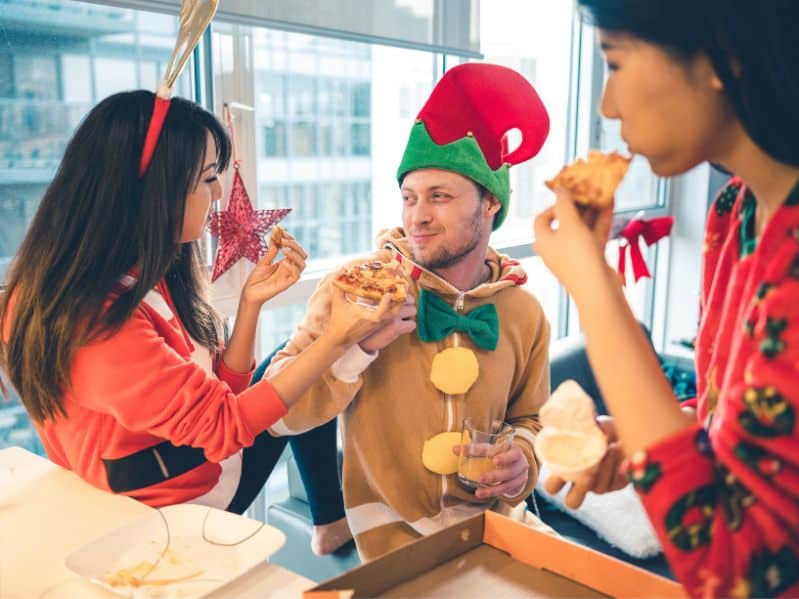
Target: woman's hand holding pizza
269	278
350	322
573	251
570	235
369	300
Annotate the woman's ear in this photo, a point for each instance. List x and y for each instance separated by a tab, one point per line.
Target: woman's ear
717	84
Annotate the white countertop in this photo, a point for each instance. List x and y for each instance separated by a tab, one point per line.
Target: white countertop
47	512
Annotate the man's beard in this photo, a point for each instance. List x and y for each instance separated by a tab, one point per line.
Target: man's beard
446	257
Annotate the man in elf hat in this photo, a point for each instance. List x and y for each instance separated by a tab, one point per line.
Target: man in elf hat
481	346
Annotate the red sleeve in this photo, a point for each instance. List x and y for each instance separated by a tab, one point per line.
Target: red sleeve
237	381
726	505
141	381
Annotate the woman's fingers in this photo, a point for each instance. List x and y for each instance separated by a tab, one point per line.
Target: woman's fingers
566	210
543	223
270	255
296	259
291	244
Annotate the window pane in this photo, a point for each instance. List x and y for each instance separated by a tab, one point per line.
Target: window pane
271	96
36	77
274	138
77	79
537	43
302	98
6	75
361	99
543	284
361	139
303	139
277	325
114	75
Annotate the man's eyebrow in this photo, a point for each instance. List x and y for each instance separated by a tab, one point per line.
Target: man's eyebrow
438	187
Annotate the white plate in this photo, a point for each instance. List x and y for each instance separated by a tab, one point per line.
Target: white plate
203	565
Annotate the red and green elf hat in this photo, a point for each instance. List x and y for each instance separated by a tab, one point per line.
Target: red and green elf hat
463	127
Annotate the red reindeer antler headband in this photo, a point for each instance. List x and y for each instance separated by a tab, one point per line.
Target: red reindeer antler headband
195	15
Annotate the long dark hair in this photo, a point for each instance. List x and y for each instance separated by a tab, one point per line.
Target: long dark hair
96	221
752	46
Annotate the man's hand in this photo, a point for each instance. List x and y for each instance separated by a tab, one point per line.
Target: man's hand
403	322
510	475
607	476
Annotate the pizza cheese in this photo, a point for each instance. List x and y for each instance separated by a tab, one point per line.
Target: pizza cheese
372	280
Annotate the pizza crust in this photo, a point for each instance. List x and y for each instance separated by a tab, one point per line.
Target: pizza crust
592	182
277	235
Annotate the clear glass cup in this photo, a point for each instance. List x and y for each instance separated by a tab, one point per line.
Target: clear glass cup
480	442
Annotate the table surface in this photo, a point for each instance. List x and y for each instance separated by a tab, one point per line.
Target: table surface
46	512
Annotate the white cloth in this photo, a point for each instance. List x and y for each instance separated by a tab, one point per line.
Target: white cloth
349	367
617	517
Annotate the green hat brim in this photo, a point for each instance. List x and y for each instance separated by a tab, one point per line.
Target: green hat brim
462	156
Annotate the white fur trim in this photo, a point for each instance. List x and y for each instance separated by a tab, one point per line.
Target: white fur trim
618	517
349	367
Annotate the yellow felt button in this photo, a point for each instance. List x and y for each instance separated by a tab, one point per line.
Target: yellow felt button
454	370
437	453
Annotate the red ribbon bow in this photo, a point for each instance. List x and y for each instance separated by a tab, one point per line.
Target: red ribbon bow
651	230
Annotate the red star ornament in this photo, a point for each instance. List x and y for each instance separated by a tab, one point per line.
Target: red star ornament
241	231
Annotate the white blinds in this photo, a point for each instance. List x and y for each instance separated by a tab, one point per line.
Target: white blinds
450	26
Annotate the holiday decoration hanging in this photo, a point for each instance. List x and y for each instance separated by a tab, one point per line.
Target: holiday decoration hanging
240	229
651	231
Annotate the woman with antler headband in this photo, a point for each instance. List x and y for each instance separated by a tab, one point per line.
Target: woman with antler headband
106	332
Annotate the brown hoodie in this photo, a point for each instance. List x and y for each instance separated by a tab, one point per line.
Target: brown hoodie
390	409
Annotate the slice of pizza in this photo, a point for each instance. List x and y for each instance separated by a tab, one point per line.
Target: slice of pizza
372	280
277	235
592	182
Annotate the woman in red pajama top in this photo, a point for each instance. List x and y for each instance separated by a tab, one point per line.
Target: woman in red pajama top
108	337
692	82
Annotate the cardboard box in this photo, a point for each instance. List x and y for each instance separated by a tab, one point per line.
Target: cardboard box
489	555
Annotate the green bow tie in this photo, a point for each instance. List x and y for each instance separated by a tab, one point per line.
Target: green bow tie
436	319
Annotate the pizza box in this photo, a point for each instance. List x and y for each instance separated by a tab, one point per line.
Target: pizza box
490	555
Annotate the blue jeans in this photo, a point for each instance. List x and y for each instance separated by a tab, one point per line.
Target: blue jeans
316	455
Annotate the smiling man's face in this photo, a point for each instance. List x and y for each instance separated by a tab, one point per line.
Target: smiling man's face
444	216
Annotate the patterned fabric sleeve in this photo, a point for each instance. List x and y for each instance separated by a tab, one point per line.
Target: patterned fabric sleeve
726	505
